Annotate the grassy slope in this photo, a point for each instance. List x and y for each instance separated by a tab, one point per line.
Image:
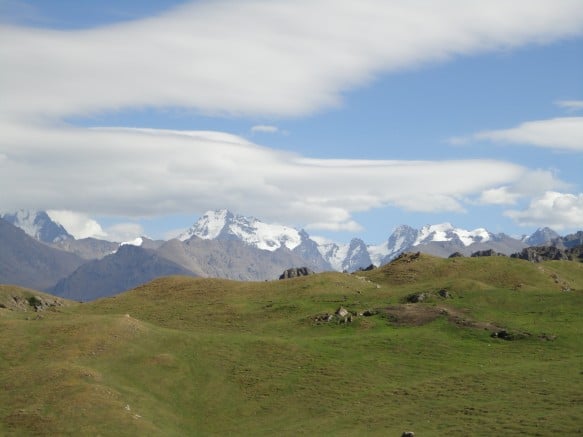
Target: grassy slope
183	356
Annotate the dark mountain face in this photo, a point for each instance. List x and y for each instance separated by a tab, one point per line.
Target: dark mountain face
129	267
26	262
308	251
569	241
232	259
87	248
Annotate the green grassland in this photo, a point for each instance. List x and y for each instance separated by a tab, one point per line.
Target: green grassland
182	356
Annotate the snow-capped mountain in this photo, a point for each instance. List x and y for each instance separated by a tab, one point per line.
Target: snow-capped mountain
431	238
38	225
223	224
346	257
446	232
540	237
402	238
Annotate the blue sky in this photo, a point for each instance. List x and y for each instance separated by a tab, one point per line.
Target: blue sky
345	118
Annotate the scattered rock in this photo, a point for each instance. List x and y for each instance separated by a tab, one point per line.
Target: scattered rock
342	312
40	304
369	313
345	318
456	255
416	297
444	293
295	272
547	337
509	336
408	257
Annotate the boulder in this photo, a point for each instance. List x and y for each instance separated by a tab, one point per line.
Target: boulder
444	293
342	312
295	272
417	297
543	253
367	269
489	252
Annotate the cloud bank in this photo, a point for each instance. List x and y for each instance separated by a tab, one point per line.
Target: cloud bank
145	172
258	56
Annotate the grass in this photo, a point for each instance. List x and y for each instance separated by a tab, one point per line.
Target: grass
184	356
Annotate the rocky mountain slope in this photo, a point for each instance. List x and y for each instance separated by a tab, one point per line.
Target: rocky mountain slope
27	262
129	267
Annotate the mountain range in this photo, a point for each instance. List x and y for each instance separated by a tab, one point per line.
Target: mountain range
37	252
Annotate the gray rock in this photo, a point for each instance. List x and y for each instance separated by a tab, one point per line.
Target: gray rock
342	312
444	293
296	272
417	297
488	252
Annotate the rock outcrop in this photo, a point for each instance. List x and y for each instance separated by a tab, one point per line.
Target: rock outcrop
549	253
295	272
489	252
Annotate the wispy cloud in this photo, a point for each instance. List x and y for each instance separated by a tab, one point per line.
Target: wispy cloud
564	133
262	128
570	105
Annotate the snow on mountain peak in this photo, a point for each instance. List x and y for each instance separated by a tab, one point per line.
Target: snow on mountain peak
209	226
224	224
446	232
38	225
135	242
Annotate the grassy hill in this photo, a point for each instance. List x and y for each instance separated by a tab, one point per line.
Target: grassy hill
187	356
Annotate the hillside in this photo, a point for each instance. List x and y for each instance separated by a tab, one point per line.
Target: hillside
199	356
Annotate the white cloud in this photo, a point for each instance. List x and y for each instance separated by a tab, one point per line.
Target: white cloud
257	57
77	224
558	133
144	173
570	105
265	129
124	232
498	196
80	225
553	209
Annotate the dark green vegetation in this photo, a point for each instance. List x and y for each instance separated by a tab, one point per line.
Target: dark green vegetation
185	356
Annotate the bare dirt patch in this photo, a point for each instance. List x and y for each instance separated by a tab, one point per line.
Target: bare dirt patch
419	315
411	314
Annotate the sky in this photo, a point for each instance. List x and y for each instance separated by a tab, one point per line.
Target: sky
345	118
